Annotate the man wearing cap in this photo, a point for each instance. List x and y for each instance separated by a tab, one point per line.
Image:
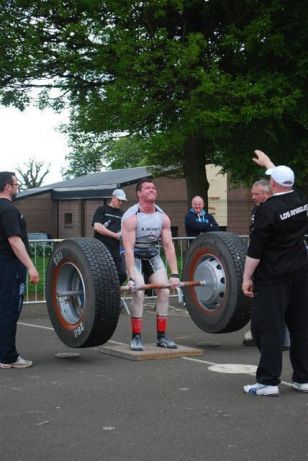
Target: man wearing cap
276	277
107	228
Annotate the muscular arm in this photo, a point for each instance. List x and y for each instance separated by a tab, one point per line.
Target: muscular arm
21	253
101	229
129	238
168	245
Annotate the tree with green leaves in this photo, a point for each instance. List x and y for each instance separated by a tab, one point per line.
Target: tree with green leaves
88	156
32	173
190	81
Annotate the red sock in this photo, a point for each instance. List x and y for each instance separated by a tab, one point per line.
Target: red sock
161	324
136	323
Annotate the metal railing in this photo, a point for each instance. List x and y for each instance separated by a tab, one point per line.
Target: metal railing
40	251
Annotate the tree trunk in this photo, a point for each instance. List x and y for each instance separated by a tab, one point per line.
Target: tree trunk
195	170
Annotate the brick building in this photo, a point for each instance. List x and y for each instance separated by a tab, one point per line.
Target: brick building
65	209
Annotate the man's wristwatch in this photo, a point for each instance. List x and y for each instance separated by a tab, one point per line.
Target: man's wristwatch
175	276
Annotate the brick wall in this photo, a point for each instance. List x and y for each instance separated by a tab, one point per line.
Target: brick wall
42	214
73	229
239	209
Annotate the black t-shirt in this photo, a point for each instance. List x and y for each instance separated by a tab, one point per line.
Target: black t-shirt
277	238
110	218
12	223
252	218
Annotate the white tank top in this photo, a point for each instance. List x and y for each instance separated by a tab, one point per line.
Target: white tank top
149	225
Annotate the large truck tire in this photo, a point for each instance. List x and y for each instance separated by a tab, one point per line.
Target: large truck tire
219	306
83	292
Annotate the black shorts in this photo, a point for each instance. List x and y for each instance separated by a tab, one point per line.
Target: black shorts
148	261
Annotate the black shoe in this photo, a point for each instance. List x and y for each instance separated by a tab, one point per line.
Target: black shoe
164	341
249	342
136	344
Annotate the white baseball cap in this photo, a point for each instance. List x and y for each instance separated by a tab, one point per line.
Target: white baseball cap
119	194
282	174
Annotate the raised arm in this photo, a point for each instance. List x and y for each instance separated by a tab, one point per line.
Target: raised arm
262	159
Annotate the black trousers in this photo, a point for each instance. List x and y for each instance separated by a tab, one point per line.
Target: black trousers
120	263
12	289
272	306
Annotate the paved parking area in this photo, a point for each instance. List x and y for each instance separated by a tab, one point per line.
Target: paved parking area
102	407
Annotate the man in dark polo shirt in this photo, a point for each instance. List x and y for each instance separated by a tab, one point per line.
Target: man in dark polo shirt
276	277
14	263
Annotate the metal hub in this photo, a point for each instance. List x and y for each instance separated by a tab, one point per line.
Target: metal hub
71	293
210	270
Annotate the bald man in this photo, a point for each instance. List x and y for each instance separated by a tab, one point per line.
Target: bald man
198	220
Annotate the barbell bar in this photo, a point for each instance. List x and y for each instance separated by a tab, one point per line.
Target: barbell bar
159	286
148	286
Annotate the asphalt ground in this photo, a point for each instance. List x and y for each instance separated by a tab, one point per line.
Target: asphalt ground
101	407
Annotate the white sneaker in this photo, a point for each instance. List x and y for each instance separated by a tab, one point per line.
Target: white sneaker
302	387
248	335
261	389
20	363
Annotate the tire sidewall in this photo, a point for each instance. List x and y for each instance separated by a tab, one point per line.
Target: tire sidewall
212	320
71	334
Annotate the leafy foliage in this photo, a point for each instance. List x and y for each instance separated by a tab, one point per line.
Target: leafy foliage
191	81
90	155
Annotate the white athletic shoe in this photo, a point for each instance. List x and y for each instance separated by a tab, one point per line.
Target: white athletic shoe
248	335
261	389
20	363
302	387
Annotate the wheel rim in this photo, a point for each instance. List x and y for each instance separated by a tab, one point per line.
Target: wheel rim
211	270
71	293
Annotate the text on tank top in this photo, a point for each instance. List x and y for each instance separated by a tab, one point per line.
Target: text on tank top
149	225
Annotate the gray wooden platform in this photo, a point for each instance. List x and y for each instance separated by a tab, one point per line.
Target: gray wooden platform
150	352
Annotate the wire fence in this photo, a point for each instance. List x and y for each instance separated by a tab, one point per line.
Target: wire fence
41	250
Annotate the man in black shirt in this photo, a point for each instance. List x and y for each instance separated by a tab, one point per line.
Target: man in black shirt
276	277
14	262
107	228
260	191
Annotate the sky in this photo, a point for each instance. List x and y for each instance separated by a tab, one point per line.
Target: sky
32	134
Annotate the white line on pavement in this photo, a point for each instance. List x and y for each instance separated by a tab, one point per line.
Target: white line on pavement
50	328
198	360
233	368
220	367
35	326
